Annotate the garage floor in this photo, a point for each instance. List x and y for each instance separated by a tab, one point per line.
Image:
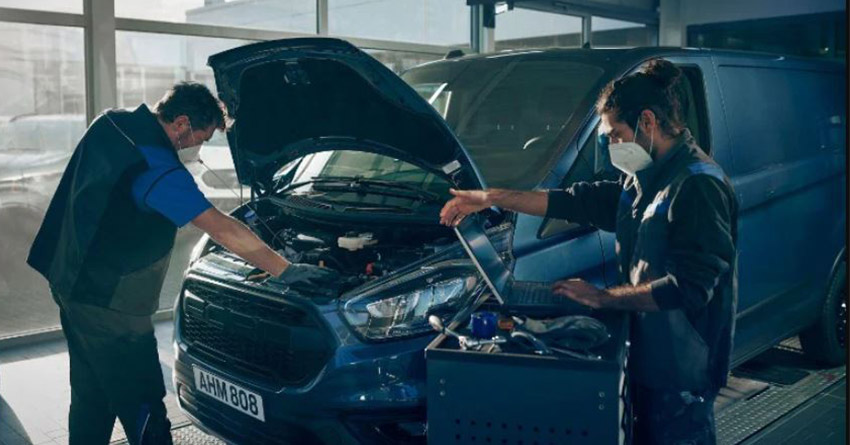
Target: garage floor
777	398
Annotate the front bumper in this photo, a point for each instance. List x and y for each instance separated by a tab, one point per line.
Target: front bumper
365	393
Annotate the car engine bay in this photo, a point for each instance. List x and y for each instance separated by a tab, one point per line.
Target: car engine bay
360	251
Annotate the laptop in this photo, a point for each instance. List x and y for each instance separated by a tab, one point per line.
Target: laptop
523	297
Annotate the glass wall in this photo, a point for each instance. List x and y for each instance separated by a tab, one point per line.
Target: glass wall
43	89
610	33
42	115
148	64
523	28
432	22
278	15
72	6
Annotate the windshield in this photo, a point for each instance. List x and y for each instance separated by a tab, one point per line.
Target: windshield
507	111
357	164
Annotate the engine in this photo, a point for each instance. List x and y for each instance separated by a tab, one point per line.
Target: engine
360	254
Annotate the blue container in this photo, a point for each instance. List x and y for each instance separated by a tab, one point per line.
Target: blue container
484	324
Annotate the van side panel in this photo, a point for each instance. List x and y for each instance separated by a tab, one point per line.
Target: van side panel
786	127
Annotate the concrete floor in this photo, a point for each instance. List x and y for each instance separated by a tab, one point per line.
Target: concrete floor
35	393
34	398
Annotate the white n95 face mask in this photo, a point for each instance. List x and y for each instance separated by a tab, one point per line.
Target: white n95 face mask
189	154
192	152
630	157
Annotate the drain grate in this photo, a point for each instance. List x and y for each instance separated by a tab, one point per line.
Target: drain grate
784	364
745	418
777	375
187	434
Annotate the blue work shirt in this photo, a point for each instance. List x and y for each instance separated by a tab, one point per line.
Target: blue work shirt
167	187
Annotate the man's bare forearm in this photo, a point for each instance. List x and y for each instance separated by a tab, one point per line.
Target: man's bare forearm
530	202
239	239
242	241
631	298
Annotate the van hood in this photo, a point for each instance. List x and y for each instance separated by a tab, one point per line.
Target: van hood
292	97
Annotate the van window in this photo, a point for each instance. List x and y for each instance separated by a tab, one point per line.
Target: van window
508	111
779	116
592	164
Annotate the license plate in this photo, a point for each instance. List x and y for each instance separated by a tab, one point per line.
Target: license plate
229	394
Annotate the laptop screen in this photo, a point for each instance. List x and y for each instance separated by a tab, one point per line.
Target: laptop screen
470	231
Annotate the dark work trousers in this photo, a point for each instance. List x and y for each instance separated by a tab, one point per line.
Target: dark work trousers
665	417
115	372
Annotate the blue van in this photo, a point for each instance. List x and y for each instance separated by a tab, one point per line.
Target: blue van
349	166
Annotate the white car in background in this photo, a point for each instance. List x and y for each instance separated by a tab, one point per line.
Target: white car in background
34	150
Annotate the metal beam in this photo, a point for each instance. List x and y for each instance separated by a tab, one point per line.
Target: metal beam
101	71
586	30
322	24
670	29
41	17
482	38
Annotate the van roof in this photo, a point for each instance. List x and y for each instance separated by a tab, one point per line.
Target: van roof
634	56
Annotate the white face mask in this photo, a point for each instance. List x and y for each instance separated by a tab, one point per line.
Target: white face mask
192	152
630	157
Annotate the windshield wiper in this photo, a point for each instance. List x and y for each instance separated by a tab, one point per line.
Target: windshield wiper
361	184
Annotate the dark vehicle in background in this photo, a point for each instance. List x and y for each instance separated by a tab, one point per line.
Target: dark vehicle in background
349	166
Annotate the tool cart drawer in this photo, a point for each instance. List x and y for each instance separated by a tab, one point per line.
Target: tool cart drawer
514	398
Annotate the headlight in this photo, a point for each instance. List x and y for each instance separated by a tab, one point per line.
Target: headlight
381	317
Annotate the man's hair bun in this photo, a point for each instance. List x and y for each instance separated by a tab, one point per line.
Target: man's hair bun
663	72
658	86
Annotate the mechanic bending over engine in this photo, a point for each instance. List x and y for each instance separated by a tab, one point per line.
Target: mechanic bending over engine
104	247
675	216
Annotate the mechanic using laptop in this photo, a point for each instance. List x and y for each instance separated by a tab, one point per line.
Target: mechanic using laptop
675	217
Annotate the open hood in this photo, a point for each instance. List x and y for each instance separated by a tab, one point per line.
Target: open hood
292	97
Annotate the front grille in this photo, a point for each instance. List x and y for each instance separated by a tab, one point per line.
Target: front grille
281	343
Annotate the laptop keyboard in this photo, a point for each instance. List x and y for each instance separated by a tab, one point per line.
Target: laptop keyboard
531	293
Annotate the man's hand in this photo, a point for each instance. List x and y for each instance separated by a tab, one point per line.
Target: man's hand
624	298
582	292
464	203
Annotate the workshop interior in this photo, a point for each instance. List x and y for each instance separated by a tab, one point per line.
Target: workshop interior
423	222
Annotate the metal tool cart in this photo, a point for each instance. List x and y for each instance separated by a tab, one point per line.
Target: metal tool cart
493	391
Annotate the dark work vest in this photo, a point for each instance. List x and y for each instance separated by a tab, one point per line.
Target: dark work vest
667	350
95	246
